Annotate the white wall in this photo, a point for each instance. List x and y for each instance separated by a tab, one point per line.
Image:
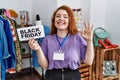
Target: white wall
113	19
72	3
97	12
106	13
17	5
45	9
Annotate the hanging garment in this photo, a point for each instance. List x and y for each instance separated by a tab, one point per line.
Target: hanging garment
4	53
11	61
19	64
2	11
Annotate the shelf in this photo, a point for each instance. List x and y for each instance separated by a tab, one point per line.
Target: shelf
27	55
110	49
112	77
105	54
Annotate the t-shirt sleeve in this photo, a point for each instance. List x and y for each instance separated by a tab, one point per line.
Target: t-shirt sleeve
83	51
83	46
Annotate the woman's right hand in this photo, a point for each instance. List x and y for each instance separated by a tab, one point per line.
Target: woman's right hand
33	44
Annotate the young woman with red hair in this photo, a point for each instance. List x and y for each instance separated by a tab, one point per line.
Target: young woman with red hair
63	51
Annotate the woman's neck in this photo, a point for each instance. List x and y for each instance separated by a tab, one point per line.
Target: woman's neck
62	34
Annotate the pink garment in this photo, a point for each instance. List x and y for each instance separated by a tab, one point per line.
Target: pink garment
7	13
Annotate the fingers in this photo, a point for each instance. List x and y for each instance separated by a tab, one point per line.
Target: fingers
32	42
88	26
85	24
35	42
92	27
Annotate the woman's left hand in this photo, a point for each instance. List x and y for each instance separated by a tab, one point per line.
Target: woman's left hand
87	32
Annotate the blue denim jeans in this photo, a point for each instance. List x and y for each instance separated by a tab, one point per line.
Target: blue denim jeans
60	74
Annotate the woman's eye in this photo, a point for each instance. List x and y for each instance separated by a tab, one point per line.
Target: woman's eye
57	16
65	17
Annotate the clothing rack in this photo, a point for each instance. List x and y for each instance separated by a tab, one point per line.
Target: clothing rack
9	45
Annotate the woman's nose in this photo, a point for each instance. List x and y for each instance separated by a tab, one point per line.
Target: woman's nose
61	18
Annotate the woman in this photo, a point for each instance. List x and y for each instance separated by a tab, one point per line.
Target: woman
62	52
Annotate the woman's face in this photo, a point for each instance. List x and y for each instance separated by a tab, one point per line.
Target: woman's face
61	20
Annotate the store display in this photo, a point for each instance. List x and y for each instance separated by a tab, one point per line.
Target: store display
109	68
24	18
99	35
78	17
38	20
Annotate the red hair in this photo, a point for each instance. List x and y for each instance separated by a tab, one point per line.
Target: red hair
72	29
